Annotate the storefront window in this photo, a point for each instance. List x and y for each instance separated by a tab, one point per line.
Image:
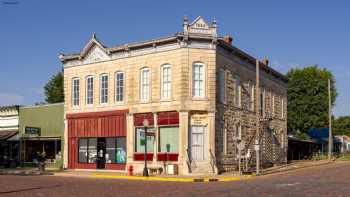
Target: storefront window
116	150
140	140
92	150
169	139
87	150
83	151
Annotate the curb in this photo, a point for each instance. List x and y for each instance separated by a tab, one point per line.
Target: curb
171	179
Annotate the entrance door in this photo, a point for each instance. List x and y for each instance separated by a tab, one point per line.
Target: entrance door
101	152
198	143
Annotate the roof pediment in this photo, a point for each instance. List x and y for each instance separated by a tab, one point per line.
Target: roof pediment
199	23
94	51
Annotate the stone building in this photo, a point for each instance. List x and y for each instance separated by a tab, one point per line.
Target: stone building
196	91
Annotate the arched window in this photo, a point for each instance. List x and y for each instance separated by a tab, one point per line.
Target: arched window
104	88
75	91
198	80
89	90
166	81
144	84
119	86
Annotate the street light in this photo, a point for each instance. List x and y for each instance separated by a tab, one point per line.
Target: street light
145	125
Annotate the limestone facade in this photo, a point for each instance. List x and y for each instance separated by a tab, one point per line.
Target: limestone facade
198	43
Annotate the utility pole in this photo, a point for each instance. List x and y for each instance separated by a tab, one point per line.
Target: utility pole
330	138
257	110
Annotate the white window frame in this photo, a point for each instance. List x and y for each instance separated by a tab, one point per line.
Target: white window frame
75	95
145	85
222	86
89	100
201	81
166	83
238	91
102	101
119	90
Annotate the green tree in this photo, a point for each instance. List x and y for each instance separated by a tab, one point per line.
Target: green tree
341	126
308	98
54	89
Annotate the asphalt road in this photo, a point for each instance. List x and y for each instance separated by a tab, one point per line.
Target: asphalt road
329	180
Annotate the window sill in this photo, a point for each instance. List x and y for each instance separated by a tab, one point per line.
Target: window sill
166	100
200	99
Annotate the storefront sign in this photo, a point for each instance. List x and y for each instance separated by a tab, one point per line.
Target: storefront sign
199	119
33	131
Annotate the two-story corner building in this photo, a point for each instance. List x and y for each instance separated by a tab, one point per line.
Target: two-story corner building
195	89
9	143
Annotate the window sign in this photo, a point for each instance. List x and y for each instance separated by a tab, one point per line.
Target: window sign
32	131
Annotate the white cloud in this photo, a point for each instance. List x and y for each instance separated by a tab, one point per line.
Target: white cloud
10	99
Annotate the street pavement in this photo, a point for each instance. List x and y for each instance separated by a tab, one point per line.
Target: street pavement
326	180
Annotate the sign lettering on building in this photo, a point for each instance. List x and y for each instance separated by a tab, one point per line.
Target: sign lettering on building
32	131
199	119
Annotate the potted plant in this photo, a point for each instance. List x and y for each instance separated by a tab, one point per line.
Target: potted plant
41	156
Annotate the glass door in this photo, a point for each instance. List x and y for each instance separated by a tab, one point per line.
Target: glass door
101	150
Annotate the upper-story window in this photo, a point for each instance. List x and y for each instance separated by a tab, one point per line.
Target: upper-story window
237	90
251	90
119	86
166	82
145	84
273	105
75	91
262	101
198	80
104	88
222	86
282	107
89	90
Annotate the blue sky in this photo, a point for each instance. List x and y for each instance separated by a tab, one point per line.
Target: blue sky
289	33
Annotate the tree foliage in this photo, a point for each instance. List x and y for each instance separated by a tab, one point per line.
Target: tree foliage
54	89
341	126
308	98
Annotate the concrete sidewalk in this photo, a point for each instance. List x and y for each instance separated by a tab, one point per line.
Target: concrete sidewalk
295	165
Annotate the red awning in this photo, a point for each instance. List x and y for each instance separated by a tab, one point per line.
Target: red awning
4	135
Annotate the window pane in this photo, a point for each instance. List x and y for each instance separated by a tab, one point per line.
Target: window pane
119	87
75	92
83	150
169	139
110	150
92	148
140	140
121	150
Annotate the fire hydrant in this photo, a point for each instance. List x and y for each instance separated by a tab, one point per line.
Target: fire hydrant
131	170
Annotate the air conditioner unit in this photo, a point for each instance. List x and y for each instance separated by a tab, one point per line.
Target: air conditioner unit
172	169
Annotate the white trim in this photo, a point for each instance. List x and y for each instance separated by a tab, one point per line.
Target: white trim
100	88
86	90
170	76
203	85
142	91
115	87
73	92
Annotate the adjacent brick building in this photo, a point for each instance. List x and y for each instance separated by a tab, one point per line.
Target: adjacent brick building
195	89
